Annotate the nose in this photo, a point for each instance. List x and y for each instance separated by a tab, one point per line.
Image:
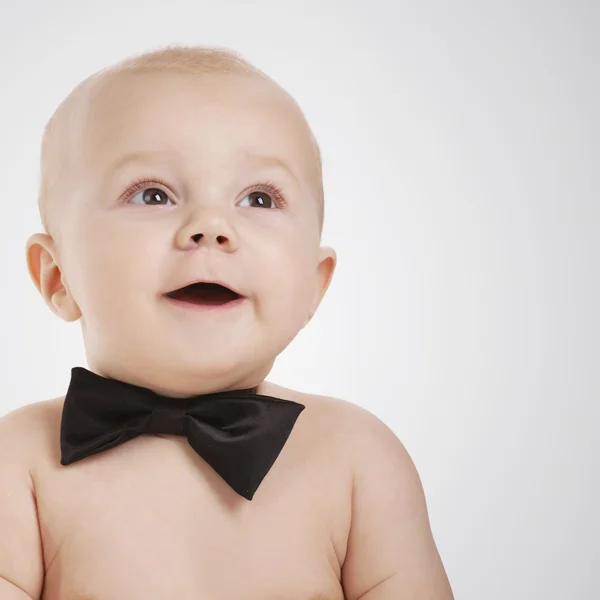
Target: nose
208	227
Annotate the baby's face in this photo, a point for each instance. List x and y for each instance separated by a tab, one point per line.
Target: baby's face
213	151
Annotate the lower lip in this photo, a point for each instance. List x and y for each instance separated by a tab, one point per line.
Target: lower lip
207	307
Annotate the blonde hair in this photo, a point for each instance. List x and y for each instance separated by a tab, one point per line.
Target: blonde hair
62	125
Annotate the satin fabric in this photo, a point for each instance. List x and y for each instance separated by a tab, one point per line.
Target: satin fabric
238	433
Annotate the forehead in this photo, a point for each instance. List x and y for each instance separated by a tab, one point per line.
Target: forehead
216	120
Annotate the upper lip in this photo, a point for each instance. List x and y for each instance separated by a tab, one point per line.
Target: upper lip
214	281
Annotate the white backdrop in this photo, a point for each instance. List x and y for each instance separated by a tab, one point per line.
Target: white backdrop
461	164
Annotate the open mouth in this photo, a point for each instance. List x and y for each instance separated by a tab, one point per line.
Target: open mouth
207	294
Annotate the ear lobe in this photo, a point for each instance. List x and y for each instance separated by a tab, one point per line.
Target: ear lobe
42	257
325	270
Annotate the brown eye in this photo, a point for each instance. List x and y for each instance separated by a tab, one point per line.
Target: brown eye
151	196
259	199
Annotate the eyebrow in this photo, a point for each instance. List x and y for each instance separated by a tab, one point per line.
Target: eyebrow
138	156
141	155
273	161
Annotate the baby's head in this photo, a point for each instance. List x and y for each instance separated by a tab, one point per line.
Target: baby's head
177	166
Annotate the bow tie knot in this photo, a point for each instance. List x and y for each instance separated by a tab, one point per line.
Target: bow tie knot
167	419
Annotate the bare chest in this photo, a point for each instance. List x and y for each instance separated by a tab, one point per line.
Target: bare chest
151	519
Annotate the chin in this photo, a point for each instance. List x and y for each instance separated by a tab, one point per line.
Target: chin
192	376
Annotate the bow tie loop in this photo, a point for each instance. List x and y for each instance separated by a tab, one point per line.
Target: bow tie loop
169	419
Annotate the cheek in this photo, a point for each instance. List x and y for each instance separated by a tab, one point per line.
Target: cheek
111	276
292	284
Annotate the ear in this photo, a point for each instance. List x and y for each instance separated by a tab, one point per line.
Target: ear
327	263
42	264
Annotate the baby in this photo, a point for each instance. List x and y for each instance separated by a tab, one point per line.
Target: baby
182	201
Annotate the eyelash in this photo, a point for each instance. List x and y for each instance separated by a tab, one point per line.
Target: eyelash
141	183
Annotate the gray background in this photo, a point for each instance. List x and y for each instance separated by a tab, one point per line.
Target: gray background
460	144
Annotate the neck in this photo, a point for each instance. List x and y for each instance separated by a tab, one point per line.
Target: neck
183	384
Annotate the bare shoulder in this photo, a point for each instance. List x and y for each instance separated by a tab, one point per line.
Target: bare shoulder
320	409
25	441
27	432
314	402
372	449
30	415
388	548
349	426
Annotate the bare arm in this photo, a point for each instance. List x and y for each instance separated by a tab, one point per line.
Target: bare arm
391	552
21	560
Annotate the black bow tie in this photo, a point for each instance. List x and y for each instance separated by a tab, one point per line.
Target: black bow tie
238	433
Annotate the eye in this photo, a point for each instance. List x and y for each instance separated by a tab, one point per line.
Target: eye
151	197
258	199
154	196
